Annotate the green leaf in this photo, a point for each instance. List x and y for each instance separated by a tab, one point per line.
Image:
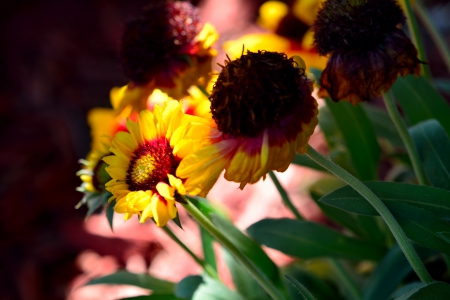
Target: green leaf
445	235
407	289
245	284
208	249
305	161
421	226
306	274
211	289
383	125
420	101
329	128
387	276
110	213
301	288
433	145
251	249
141	280
359	136
93	202
433	291
416	208
436	201
186	288
368	228
310	240
154	297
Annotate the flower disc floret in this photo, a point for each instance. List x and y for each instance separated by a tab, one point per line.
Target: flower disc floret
255	91
151	163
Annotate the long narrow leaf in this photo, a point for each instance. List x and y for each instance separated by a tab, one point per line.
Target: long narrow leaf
420	101
251	249
387	276
141	280
433	145
359	136
310	240
435	290
436	201
301	288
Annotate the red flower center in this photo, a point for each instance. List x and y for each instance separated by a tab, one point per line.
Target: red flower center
150	164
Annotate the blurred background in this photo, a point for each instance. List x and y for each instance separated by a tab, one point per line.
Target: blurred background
58	59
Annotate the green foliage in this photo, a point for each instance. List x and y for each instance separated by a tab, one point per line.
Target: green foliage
145	281
359	136
420	101
204	287
435	290
433	145
420	210
301	288
251	249
310	240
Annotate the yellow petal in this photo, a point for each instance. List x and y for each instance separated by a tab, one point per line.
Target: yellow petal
133	128
177	184
165	190
160	213
147	125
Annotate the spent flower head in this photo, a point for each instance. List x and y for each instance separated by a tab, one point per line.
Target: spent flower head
367	49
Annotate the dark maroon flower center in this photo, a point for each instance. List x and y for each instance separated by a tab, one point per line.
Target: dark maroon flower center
256	91
150	164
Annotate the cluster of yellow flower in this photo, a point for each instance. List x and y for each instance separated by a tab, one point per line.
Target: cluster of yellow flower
168	134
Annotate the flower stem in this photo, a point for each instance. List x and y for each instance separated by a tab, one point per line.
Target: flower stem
285	196
434	33
208	269
405	136
414	31
222	238
379	206
340	272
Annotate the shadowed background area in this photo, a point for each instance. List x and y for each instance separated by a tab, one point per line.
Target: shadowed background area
58	59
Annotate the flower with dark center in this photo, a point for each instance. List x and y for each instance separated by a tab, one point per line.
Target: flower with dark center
145	160
367	51
264	113
165	47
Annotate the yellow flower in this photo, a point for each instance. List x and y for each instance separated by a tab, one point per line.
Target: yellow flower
145	161
165	47
263	112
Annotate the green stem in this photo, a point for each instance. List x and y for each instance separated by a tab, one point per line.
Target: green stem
414	31
208	269
434	33
379	206
343	276
223	239
405	136
345	280
285	197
